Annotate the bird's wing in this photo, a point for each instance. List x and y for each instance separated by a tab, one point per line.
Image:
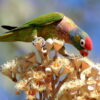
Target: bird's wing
45	19
40	21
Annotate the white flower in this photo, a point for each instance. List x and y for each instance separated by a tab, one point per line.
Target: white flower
9	64
91	88
50	41
38	87
49	44
7	68
48	69
21	84
96	67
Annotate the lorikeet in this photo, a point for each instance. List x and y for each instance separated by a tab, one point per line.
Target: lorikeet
53	25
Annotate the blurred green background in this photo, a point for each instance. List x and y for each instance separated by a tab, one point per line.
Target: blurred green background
86	13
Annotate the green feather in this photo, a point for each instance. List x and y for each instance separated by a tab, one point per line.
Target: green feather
45	19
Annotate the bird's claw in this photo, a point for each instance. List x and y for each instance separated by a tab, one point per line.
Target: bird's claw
72	56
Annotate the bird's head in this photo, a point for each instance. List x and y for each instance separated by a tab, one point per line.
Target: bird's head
81	41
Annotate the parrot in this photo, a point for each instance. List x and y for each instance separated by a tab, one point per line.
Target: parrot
53	25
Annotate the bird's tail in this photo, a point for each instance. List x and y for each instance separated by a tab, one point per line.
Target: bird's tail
8	37
8	27
23	34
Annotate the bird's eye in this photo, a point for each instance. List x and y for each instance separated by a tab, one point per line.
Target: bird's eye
82	43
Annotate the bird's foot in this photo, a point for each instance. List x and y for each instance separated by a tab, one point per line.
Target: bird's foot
71	56
55	57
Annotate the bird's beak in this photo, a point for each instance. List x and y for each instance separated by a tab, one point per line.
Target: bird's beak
84	52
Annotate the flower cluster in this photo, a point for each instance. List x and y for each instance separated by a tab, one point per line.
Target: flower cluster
62	78
85	84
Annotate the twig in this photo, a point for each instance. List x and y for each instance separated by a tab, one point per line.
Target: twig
43	95
53	83
40	96
57	89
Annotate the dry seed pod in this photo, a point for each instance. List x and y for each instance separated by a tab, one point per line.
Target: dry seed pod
57	44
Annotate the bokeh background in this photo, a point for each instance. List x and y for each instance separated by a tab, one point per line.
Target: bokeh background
86	13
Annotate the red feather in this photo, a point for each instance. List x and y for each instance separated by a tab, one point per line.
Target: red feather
88	43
